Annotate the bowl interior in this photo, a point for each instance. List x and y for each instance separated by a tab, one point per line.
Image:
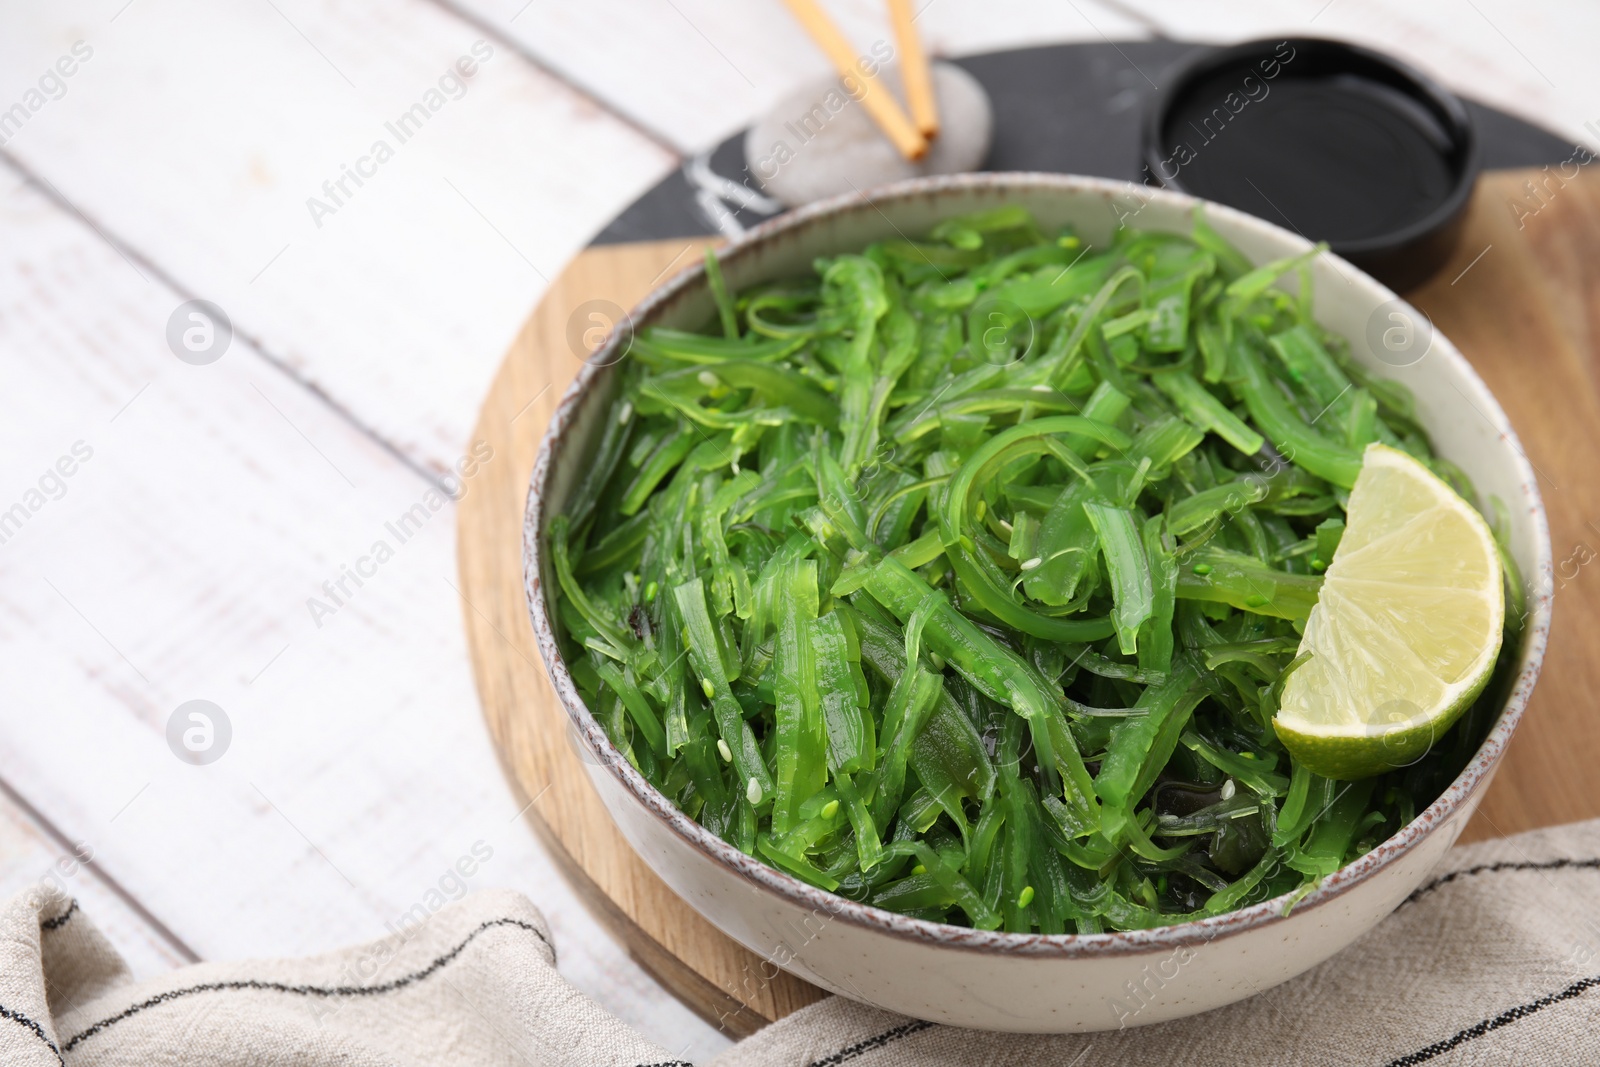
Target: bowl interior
1466	423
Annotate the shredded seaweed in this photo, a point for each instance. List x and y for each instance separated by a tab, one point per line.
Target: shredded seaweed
962	576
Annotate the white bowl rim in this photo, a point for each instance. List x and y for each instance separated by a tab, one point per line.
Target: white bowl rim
1266	913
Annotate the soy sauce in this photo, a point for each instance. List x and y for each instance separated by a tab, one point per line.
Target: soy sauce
1340	158
1333	140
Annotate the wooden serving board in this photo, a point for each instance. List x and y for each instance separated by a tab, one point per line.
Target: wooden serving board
1521	300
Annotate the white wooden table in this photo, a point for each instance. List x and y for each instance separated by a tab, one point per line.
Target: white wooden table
186	554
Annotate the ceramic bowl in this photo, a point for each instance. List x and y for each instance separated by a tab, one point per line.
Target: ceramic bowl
1023	982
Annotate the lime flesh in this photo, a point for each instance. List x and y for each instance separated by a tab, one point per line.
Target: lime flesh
1405	631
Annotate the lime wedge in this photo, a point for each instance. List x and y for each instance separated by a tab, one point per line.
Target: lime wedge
1405	632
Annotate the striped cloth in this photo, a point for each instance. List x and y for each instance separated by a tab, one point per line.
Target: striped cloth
1495	960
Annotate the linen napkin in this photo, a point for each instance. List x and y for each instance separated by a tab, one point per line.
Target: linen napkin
1495	959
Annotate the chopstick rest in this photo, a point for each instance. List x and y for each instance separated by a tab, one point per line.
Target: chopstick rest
821	142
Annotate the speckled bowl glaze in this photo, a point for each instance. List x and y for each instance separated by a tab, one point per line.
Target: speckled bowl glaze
1018	982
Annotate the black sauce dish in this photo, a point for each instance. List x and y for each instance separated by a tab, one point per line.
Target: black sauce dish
1338	142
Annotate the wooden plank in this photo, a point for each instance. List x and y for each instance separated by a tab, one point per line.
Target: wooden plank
31	857
207	506
1532	296
696	71
353	305
399	300
1531	60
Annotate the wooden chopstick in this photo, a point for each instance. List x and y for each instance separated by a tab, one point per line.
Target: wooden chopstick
875	97
914	70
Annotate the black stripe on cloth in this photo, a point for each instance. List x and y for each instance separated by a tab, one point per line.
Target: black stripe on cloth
1505	1018
302	990
872	1044
38	1031
60	920
1490	868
